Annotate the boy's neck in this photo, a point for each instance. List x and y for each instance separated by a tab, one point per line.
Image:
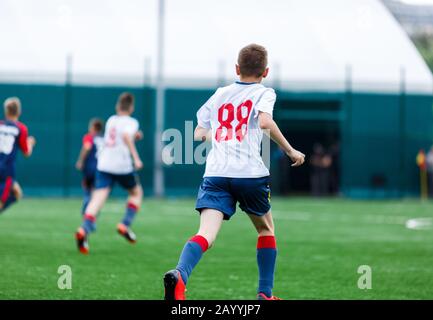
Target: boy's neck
250	79
12	118
121	113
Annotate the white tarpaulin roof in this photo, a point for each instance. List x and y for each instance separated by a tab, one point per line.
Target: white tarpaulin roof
310	42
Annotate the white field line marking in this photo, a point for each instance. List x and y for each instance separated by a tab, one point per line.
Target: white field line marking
325	217
114	207
380	219
414	224
367	220
419	223
292	215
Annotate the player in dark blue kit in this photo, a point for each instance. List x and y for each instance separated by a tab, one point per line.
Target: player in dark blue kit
13	136
87	159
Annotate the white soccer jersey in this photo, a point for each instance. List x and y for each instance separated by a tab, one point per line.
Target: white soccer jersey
115	157
232	115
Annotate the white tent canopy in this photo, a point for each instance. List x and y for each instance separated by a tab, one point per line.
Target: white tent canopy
311	43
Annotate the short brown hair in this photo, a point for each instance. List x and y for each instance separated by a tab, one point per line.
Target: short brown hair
253	60
125	101
96	124
12	106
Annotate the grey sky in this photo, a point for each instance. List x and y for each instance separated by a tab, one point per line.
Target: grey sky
308	40
429	2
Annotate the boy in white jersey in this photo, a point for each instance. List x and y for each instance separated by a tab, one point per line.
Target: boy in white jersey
235	118
118	162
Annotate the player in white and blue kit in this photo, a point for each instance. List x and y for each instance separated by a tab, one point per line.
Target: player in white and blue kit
235	119
118	162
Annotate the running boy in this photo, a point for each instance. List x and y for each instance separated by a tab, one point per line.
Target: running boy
118	162
87	159
234	118
13	136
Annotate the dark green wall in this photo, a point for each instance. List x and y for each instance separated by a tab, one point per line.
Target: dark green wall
181	106
381	136
43	112
380	133
50	171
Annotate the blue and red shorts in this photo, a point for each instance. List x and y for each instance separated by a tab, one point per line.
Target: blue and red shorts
6	185
107	180
222	194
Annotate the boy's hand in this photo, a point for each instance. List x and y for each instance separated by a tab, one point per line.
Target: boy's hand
31	141
79	165
138	164
138	135
297	157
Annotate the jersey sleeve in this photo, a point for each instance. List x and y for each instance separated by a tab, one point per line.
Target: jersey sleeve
88	141
22	138
204	113
267	101
132	128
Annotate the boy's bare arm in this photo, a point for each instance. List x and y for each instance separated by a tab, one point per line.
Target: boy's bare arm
202	134
85	149
138	164
31	141
268	124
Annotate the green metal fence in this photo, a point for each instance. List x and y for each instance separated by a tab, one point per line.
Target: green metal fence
380	134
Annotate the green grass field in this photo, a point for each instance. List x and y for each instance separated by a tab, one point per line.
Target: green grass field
321	244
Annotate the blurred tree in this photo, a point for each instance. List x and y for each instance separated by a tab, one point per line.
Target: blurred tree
424	44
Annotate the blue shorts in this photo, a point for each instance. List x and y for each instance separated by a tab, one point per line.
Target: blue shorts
107	180
222	194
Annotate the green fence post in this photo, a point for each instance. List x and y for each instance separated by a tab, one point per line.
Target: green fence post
402	125
67	127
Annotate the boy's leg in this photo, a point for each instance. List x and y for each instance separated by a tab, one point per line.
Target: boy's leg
253	195
17	191
12	192
133	204
103	185
88	184
215	203
175	280
266	252
97	200
210	224
131	183
86	200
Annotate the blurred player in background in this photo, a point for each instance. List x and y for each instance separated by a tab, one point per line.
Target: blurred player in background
87	159
234	118
13	136
118	162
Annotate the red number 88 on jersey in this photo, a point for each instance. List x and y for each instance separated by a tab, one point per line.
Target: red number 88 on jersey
226	116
